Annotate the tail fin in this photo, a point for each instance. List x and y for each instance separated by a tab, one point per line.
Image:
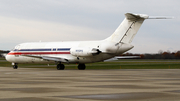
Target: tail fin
128	28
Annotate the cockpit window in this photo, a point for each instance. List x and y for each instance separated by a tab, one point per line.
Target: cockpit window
16	48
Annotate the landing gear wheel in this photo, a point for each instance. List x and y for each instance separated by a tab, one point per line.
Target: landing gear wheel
81	66
60	67
15	66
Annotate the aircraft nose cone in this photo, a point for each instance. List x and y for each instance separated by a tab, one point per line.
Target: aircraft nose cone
8	58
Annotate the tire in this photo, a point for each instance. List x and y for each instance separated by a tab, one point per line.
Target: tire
81	66
15	67
60	67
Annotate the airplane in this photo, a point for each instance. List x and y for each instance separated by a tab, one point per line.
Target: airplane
80	52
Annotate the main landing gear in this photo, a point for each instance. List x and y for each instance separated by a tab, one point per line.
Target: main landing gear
80	66
60	66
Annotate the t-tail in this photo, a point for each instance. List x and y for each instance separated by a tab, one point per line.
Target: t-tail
124	34
128	28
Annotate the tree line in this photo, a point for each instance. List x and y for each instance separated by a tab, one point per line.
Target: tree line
159	55
3	52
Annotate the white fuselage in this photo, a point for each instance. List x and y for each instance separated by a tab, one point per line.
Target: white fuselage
63	50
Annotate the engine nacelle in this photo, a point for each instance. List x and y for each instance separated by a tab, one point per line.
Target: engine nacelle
115	48
84	51
109	47
124	47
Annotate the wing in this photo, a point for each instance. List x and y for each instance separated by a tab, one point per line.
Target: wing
4	54
48	58
121	57
127	57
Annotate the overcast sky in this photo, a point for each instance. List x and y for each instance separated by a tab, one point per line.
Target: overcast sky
71	20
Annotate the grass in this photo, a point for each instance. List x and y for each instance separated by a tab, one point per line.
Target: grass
1	58
121	64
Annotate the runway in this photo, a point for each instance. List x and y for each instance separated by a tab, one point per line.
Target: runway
47	84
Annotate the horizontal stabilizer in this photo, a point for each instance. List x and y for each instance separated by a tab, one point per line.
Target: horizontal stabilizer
160	17
135	17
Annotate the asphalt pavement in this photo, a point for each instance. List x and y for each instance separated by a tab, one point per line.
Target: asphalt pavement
49	84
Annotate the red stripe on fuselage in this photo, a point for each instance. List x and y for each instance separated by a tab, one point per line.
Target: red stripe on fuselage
36	53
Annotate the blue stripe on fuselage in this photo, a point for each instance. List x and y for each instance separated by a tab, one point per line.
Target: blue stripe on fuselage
49	49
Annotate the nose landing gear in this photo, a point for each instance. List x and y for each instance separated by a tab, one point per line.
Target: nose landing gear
15	65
